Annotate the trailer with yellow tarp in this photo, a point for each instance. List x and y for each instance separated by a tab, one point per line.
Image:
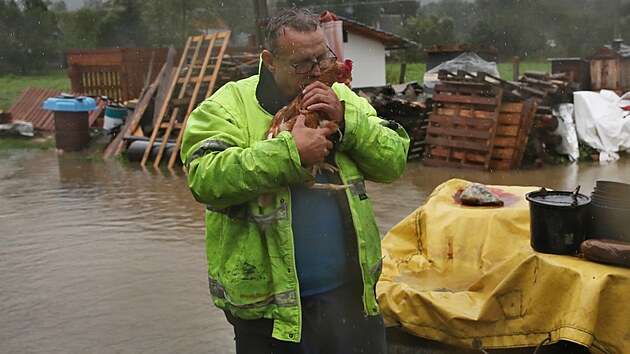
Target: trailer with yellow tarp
467	276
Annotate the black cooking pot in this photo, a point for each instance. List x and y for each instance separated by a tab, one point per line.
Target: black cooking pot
557	220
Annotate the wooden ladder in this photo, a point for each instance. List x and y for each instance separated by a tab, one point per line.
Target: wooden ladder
197	72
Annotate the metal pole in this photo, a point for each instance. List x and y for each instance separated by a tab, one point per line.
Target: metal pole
617	21
260	11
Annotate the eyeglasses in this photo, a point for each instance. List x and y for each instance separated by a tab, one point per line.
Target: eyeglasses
307	66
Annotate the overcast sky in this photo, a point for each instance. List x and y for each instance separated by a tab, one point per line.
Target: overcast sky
74	4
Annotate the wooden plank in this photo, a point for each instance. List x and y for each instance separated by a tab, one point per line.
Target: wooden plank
490	101
529	111
465	112
459	132
169	73
504	141
463	144
499	153
443	163
461	155
510	118
132	125
512	107
466	89
507	130
178	102
454	120
500	165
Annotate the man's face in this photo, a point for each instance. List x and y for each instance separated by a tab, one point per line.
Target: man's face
296	47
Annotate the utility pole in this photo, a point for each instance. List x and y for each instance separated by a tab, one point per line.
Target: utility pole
260	11
617	20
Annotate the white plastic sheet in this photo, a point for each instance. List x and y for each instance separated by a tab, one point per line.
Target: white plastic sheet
602	123
467	61
566	129
18	128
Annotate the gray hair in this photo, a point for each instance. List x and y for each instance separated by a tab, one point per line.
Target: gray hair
301	20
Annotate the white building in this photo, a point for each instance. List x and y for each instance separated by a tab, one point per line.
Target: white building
368	47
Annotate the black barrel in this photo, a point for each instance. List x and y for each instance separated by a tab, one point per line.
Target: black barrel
557	220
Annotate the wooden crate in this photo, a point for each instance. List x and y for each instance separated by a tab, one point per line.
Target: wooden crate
513	126
462	127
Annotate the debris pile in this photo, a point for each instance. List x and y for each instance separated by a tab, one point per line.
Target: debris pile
155	129
400	103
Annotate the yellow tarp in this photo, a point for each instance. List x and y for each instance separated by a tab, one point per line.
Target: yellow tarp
467	276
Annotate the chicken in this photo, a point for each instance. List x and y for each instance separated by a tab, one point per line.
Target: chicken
285	119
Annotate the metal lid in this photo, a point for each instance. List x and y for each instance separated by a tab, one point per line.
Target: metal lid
558	198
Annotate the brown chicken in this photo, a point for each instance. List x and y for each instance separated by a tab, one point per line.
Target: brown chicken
285	119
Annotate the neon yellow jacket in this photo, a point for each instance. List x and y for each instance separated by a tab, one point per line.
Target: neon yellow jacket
251	266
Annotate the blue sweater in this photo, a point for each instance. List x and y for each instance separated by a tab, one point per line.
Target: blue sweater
319	240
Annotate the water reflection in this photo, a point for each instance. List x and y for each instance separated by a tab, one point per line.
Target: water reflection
105	257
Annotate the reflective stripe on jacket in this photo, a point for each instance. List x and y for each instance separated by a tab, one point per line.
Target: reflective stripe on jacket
250	252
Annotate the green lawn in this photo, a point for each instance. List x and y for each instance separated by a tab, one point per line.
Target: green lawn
11	86
415	71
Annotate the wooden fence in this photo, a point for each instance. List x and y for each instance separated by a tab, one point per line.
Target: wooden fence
118	73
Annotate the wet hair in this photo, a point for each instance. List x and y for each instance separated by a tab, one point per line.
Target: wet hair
301	20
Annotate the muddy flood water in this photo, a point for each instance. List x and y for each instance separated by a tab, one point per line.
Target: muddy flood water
105	257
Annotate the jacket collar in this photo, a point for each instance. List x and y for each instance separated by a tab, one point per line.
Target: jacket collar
268	93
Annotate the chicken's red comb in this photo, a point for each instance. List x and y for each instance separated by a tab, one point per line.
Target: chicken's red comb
348	63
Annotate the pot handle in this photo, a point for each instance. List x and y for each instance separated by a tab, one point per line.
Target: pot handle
575	194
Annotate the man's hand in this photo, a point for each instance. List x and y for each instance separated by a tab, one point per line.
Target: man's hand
321	98
312	144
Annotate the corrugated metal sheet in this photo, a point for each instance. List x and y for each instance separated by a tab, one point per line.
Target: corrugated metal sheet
28	108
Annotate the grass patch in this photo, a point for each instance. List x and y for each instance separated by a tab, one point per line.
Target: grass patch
11	86
415	71
21	143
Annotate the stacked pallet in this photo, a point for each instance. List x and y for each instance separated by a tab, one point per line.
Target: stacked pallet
461	130
524	131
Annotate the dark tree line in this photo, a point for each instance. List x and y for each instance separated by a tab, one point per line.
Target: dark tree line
528	28
35	34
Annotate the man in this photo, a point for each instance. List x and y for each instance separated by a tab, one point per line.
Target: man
298	275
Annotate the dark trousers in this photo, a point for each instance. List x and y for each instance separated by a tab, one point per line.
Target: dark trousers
332	323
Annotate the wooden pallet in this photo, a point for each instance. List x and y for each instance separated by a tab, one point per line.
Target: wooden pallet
461	130
193	81
515	121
